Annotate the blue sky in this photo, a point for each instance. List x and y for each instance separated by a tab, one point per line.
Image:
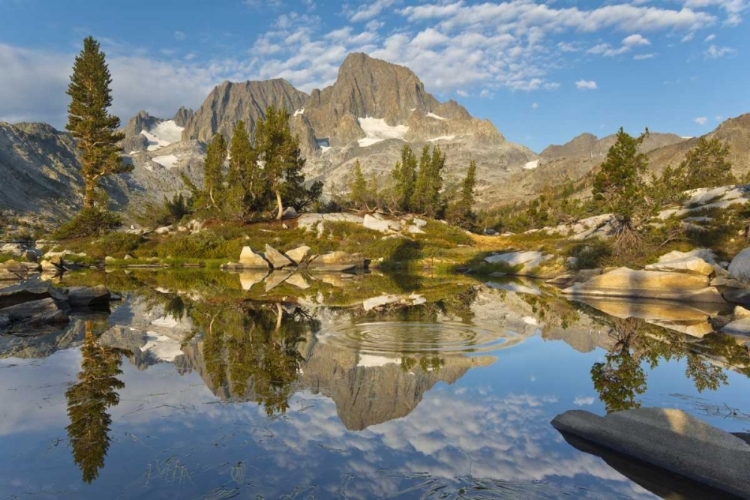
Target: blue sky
543	72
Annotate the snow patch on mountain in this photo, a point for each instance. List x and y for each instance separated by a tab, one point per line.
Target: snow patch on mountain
167	161
162	347
299	112
531	165
163	134
377	130
436	117
442	138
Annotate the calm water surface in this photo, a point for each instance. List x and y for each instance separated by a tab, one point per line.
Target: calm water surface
208	385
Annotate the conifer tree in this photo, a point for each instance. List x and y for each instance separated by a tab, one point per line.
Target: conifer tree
405	177
619	187
213	171
94	129
706	165
426	196
358	192
279	152
243	170
460	212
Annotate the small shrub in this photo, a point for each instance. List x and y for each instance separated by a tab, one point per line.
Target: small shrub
590	254
89	222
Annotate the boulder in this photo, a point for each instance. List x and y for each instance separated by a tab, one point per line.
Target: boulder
740	313
163	230
670	439
624	282
414	230
739	268
252	260
84	296
336	261
420	223
277	259
35	312
299	255
698	261
528	260
27	292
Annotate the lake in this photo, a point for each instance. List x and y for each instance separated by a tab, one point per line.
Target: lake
202	384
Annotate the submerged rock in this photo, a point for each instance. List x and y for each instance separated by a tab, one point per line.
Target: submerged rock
83	296
669	439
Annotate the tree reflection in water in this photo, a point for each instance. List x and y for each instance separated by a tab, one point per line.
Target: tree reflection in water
89	399
621	378
252	351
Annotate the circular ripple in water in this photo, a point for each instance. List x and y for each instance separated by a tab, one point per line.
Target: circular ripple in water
418	338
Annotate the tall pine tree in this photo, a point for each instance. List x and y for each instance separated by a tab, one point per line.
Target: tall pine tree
405	178
460	212
90	123
243	172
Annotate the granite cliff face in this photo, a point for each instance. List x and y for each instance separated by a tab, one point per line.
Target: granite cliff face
231	102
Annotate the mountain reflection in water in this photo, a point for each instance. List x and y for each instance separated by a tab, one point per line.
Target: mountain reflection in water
444	386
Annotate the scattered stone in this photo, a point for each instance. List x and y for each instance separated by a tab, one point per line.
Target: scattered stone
670	439
624	282
109	258
420	223
163	230
299	255
252	260
699	261
14	249
739	268
277	259
414	230
128	257
84	296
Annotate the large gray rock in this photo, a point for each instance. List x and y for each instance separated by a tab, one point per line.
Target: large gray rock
252	260
84	296
35	312
27	292
277	259
739	268
739	326
380	225
670	439
624	282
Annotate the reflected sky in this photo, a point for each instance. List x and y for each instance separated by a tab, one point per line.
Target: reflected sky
481	430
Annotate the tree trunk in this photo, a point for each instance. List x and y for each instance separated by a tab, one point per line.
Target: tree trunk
280	205
89	193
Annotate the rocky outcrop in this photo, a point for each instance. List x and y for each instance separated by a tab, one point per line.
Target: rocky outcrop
624	282
669	439
253	260
589	146
231	102
336	261
739	268
140	122
699	261
183	116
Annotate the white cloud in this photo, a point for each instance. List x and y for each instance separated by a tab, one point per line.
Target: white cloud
567	47
732	8
701	120
179	35
641	57
367	12
710	37
586	85
716	52
534	106
583	401
635	41
628	43
462	93
688	37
